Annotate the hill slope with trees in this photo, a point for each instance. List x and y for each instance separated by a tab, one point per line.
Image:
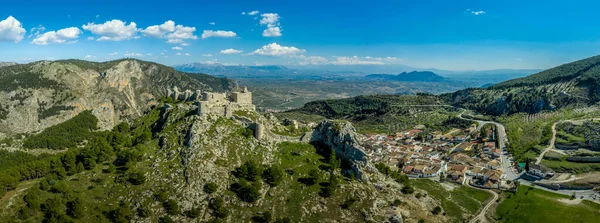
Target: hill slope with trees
570	85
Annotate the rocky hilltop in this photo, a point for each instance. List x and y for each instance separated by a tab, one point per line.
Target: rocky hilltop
4	64
41	94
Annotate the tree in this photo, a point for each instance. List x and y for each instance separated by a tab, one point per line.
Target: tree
172	207
250	170
136	178
436	210
32	198
54	210
247	191
80	168
273	175
210	187
263	217
330	187
75	208
407	189
218	206
193	213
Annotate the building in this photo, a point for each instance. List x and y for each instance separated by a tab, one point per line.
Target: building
216	103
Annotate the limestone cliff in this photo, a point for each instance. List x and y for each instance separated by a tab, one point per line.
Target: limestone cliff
41	94
342	138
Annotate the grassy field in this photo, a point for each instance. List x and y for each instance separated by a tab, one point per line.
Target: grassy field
571	167
456	203
535	205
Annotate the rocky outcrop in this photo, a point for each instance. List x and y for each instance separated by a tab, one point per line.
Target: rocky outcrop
342	138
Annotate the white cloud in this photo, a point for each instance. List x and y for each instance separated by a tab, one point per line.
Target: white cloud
159	31
90	56
207	55
271	20
218	33
480	12
188	54
175	34
113	54
11	30
176	48
90	38
178	54
230	51
181	34
212	23
66	35
275	49
134	55
35	31
114	30
272	31
255	12
184	44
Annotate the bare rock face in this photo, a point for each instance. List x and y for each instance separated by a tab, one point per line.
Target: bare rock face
45	93
342	138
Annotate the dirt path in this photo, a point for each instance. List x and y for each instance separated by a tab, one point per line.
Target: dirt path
481	216
9	197
550	145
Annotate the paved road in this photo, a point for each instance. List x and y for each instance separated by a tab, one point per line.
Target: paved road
507	169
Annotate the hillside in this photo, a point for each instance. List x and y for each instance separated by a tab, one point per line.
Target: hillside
416	76
383	113
40	94
4	64
171	166
568	85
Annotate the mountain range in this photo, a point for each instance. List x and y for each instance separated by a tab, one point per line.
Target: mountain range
417	76
474	78
41	94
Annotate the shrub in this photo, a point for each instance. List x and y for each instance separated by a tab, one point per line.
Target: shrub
250	170
136	178
436	210
171	206
273	175
193	213
210	187
218	207
247	191
263	217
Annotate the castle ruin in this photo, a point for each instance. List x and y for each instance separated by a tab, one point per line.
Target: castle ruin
212	103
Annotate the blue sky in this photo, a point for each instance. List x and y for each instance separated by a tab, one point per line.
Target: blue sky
452	35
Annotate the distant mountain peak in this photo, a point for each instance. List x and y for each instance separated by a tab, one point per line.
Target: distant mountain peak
417	76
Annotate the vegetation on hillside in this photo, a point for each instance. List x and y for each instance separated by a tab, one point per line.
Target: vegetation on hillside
68	134
384	113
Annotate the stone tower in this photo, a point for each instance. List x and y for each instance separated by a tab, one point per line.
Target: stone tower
259	131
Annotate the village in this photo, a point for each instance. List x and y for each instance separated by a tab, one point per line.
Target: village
462	156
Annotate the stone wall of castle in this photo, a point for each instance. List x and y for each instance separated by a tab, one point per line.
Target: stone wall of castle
212	103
